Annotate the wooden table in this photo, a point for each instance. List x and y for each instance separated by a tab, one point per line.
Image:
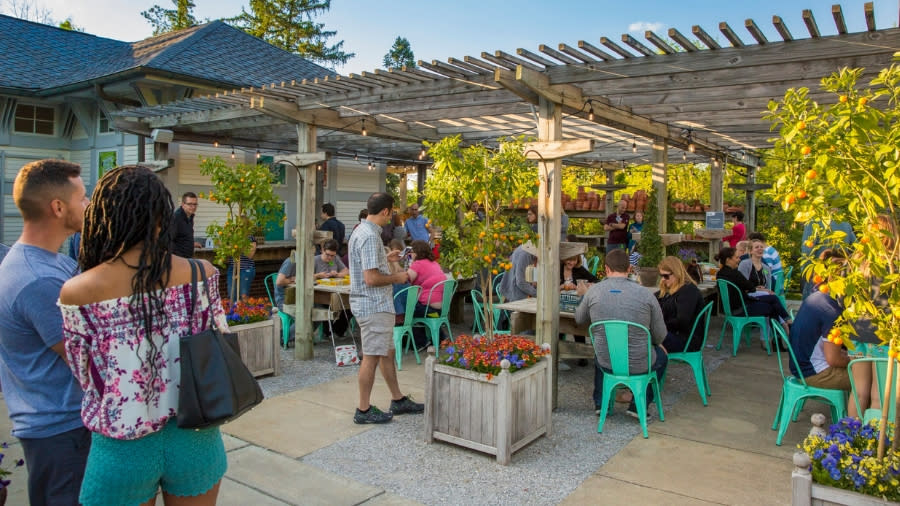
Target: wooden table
522	317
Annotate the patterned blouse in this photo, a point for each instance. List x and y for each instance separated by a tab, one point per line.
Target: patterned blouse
110	358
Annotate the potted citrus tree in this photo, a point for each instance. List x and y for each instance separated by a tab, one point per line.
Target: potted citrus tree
247	194
840	164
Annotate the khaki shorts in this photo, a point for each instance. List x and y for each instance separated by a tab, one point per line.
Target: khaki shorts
377	332
835	378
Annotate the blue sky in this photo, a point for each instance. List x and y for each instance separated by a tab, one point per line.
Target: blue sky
440	29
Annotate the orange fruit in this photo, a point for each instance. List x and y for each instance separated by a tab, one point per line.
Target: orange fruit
801	125
843	99
817	279
824	289
862	101
789	200
865	239
802	194
805	150
811	174
836	331
809	244
892	353
838	341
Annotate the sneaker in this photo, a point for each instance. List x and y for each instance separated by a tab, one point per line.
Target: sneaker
406	405
632	412
597	410
373	415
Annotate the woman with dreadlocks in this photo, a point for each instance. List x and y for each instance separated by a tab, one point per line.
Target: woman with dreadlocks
123	317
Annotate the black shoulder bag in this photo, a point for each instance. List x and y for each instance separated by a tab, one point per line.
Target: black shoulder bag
216	386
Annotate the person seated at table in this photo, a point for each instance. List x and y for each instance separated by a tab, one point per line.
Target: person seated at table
822	363
513	285
759	301
635	228
617	298
571	271
287	275
753	267
681	302
425	273
329	265
743	249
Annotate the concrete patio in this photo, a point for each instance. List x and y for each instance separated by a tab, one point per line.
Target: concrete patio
302	447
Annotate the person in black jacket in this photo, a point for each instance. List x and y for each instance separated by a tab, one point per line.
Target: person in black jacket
758	304
681	302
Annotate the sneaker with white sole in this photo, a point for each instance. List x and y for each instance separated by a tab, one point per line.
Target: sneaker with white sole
632	412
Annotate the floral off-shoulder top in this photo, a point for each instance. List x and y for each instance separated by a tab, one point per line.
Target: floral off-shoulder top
110	358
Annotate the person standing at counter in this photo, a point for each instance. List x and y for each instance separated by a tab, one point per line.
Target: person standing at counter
183	243
617	226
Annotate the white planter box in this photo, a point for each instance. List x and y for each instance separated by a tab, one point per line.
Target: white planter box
807	493
498	417
259	344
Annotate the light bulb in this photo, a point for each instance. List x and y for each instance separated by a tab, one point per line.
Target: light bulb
257	153
633	146
215	144
232	152
591	114
364	132
691	147
684	155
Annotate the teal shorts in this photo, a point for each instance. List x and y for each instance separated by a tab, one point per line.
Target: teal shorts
183	462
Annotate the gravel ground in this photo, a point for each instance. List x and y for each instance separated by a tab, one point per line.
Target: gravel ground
544	472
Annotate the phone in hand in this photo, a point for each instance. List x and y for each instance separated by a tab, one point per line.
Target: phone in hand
406	251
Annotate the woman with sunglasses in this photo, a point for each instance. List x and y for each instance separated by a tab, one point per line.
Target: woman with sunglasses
681	302
758	303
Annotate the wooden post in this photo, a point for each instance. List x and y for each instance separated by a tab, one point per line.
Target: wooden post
610	196
402	204
505	413
660	154
429	395
306	226
716	201
750	205
549	212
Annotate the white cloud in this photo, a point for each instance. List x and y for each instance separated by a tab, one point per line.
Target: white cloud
643	26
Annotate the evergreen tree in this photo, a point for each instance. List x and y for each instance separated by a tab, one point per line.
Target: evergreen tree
288	24
169	20
400	55
651	246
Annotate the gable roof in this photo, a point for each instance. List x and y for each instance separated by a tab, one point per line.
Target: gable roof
38	58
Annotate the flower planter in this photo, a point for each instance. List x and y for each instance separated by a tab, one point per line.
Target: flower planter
259	344
805	492
497	416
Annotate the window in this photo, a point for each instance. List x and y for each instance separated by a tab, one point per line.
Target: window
33	119
104	126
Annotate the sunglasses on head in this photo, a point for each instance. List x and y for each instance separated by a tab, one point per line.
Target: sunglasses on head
665	276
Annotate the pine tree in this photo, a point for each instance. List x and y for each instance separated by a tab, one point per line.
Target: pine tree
169	20
400	55
288	24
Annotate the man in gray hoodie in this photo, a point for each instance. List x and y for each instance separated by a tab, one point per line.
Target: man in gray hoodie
618	298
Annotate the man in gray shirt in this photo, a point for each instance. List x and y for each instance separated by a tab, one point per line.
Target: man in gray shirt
4	249
618	298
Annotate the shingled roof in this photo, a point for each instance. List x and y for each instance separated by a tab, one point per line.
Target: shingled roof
39	58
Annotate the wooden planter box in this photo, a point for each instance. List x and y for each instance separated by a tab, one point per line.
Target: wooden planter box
806	493
260	343
498	417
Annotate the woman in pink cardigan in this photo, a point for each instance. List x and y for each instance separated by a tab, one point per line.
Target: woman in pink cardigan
738	232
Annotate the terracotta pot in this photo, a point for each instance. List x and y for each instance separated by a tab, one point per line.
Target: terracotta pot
603	205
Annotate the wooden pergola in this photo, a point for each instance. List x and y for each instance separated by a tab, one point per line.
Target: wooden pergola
589	105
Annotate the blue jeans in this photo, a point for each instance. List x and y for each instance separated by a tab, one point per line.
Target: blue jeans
610	247
247	276
659	366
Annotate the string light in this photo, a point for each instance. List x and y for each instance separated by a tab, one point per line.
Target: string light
258	154
684	155
355	157
216	144
591	112
232	152
364	132
692	147
634	145
422	154
716	162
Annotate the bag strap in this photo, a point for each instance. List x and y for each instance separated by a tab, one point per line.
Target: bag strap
195	266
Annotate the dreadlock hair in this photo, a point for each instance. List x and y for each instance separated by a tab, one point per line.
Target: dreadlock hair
131	206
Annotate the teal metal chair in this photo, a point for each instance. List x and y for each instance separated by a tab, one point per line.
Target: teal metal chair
434	323
404	330
593	264
615	333
478	325
741	324
880	364
695	358
795	391
497	279
286	319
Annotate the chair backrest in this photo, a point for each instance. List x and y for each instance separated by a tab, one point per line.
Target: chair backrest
449	288
702	319
782	343
615	333
497	279
778	283
787	276
593	264
725	292
412	296
880	364
478	308
270	281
